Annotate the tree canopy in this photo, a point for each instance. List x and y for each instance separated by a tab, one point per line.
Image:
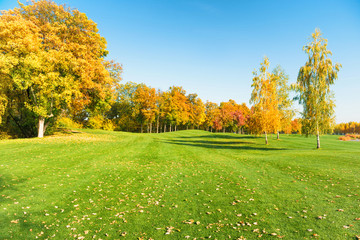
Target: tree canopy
52	59
265	99
313	85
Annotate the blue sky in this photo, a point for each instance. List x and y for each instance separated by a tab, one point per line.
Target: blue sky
211	47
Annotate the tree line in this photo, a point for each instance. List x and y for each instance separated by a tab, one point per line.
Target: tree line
350	127
140	108
54	72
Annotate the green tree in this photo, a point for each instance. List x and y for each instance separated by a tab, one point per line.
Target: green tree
313	85
121	111
284	102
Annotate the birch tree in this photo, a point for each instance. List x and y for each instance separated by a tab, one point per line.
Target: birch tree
284	102
265	100
313	85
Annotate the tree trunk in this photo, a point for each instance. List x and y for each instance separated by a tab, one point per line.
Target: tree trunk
157	125
150	127
41	127
187	127
317	136
19	126
165	127
223	130
175	128
170	127
266	139
46	125
141	128
278	135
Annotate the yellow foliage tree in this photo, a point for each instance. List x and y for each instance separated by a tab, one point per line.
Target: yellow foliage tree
265	100
196	110
313	85
145	105
175	107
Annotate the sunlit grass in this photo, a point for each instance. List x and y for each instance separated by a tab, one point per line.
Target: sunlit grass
188	184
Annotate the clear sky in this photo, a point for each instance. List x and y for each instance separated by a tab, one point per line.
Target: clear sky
211	47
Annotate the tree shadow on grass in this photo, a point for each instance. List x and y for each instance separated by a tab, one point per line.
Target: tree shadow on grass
236	145
10	185
213	142
223	136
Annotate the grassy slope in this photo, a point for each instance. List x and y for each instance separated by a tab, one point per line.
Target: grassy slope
110	184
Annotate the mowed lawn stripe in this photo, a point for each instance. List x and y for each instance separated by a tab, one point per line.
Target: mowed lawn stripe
192	184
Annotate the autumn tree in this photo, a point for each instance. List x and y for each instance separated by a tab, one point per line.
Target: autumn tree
164	110
296	126
196	110
253	122
226	114
210	113
176	109
245	111
238	115
231	116
217	123
350	127
20	62
159	109
313	85
239	120
265	99
145	105
52	57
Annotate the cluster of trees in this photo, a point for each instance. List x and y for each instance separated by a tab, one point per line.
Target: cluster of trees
270	92
345	128
272	110
52	64
140	108
52	59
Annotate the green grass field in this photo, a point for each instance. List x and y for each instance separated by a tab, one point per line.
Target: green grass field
183	185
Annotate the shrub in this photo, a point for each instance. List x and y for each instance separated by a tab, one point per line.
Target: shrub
99	122
95	122
353	136
65	122
108	125
345	138
4	135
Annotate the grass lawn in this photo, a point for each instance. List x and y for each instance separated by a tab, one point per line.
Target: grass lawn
188	184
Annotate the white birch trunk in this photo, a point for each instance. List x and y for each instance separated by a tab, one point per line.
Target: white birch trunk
41	127
266	138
